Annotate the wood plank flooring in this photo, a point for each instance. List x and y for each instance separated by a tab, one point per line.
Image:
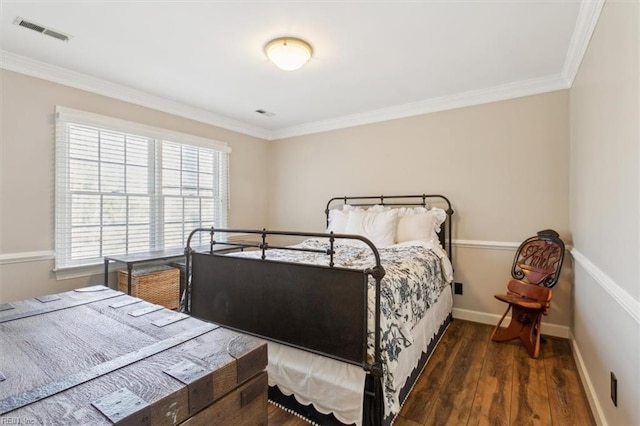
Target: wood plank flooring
471	380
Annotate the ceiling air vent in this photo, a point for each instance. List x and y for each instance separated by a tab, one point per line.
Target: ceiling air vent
266	113
39	28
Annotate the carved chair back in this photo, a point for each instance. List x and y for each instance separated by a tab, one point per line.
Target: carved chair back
539	259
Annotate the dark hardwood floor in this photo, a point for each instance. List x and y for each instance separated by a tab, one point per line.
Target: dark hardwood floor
471	380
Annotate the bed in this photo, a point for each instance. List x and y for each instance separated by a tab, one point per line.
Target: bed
352	314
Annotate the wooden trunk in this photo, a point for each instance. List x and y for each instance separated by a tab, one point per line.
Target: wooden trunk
97	356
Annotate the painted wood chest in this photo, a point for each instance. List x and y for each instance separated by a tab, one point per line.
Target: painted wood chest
96	356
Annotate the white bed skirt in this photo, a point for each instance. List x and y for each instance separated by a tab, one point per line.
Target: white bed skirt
337	387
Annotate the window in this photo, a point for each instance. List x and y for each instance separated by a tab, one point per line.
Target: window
124	188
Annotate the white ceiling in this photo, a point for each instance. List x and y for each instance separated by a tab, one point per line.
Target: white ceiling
372	60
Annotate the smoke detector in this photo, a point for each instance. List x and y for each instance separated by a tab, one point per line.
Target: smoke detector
21	22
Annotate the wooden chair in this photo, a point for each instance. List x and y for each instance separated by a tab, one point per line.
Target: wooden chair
536	268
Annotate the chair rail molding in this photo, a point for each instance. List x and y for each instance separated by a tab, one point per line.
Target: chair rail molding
620	295
480	244
26	256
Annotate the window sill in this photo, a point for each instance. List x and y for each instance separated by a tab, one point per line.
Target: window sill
80	271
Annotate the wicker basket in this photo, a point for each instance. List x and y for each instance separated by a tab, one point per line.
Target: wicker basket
181	266
156	284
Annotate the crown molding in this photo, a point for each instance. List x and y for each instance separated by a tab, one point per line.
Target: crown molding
585	25
474	97
12	62
23	65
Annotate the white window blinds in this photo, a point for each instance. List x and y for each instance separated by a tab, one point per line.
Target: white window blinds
126	188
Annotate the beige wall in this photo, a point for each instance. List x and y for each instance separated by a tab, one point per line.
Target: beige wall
604	151
605	192
504	166
27	179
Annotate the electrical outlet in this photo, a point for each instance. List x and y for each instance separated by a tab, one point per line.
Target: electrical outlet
457	288
614	389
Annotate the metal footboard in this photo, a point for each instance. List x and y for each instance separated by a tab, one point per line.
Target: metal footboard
317	308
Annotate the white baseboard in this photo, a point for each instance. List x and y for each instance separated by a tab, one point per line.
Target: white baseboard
554	330
596	409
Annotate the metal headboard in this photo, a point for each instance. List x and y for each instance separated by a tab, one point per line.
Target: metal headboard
421	200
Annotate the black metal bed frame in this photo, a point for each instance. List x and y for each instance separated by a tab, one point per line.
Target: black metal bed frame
317	308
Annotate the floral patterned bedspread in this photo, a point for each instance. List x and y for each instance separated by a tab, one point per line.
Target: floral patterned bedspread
413	281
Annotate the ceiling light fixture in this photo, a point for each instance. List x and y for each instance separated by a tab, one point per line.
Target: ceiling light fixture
288	53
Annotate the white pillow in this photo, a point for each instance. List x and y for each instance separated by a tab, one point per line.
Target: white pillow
379	227
439	216
417	226
338	216
337	221
408	210
377	208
